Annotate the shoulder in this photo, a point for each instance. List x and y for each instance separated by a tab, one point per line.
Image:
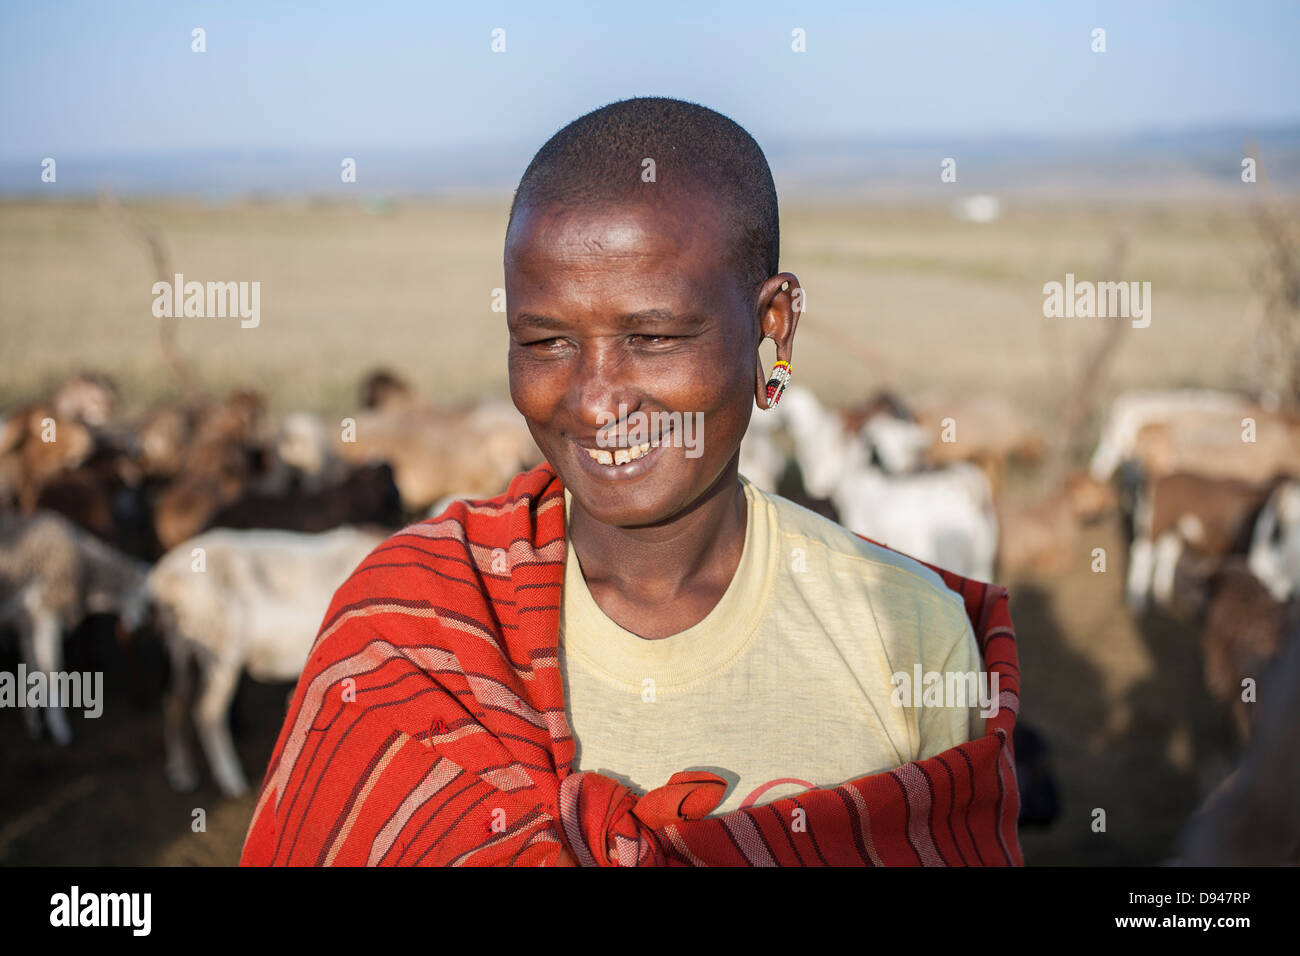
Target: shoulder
882	574
464	557
532	497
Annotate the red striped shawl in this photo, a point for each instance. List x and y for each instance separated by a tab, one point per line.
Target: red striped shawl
428	727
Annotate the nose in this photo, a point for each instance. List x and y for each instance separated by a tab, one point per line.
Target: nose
604	381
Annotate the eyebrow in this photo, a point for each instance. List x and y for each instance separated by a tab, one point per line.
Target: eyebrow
692	320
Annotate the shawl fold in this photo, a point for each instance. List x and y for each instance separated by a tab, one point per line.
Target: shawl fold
428	727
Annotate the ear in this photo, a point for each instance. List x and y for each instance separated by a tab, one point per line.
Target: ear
780	303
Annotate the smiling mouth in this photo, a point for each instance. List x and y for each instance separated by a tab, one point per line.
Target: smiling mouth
620	456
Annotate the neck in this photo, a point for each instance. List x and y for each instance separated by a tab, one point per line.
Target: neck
698	548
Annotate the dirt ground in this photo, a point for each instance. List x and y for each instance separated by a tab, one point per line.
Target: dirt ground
103	800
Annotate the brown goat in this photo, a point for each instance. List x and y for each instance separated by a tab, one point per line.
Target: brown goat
1185	512
1241	637
41	446
384	389
1253	818
221	463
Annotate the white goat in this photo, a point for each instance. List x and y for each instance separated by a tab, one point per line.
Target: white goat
1275	543
761	459
235	600
52	575
944	516
303	443
898	444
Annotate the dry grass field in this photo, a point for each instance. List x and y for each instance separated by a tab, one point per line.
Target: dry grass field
896	295
899	296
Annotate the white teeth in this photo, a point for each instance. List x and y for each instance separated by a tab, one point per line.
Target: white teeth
620	456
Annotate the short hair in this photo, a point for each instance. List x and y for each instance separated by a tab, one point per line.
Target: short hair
597	159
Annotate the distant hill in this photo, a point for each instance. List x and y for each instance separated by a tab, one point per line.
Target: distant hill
1170	164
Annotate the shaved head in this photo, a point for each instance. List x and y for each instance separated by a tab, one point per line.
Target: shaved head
600	160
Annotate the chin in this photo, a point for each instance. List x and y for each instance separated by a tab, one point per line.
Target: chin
624	507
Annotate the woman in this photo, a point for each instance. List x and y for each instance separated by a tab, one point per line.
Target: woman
515	680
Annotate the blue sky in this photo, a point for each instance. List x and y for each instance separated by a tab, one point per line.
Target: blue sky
119	77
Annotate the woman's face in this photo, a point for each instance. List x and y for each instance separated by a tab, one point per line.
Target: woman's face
620	316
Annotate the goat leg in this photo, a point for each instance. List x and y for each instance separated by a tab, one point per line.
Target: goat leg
47	641
211	717
181	773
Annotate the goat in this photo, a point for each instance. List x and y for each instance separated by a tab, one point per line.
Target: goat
52	575
1253	818
1214	446
303	446
87	397
235	601
104	496
1208	516
36	447
226	456
897	442
762	460
385	389
944	516
161	440
367	495
38	441
897	445
1242	634
1275	543
1132	411
435	453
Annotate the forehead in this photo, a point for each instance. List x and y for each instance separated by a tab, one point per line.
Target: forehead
682	235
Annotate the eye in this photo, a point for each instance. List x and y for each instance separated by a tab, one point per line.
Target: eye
652	339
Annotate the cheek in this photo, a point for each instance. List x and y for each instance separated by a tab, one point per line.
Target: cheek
724	384
532	389
723	391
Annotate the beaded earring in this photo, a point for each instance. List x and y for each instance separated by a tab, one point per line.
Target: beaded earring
777	383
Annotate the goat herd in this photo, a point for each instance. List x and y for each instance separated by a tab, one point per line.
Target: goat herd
104	513
108	514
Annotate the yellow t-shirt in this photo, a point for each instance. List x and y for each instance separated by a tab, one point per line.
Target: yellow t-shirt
787	678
